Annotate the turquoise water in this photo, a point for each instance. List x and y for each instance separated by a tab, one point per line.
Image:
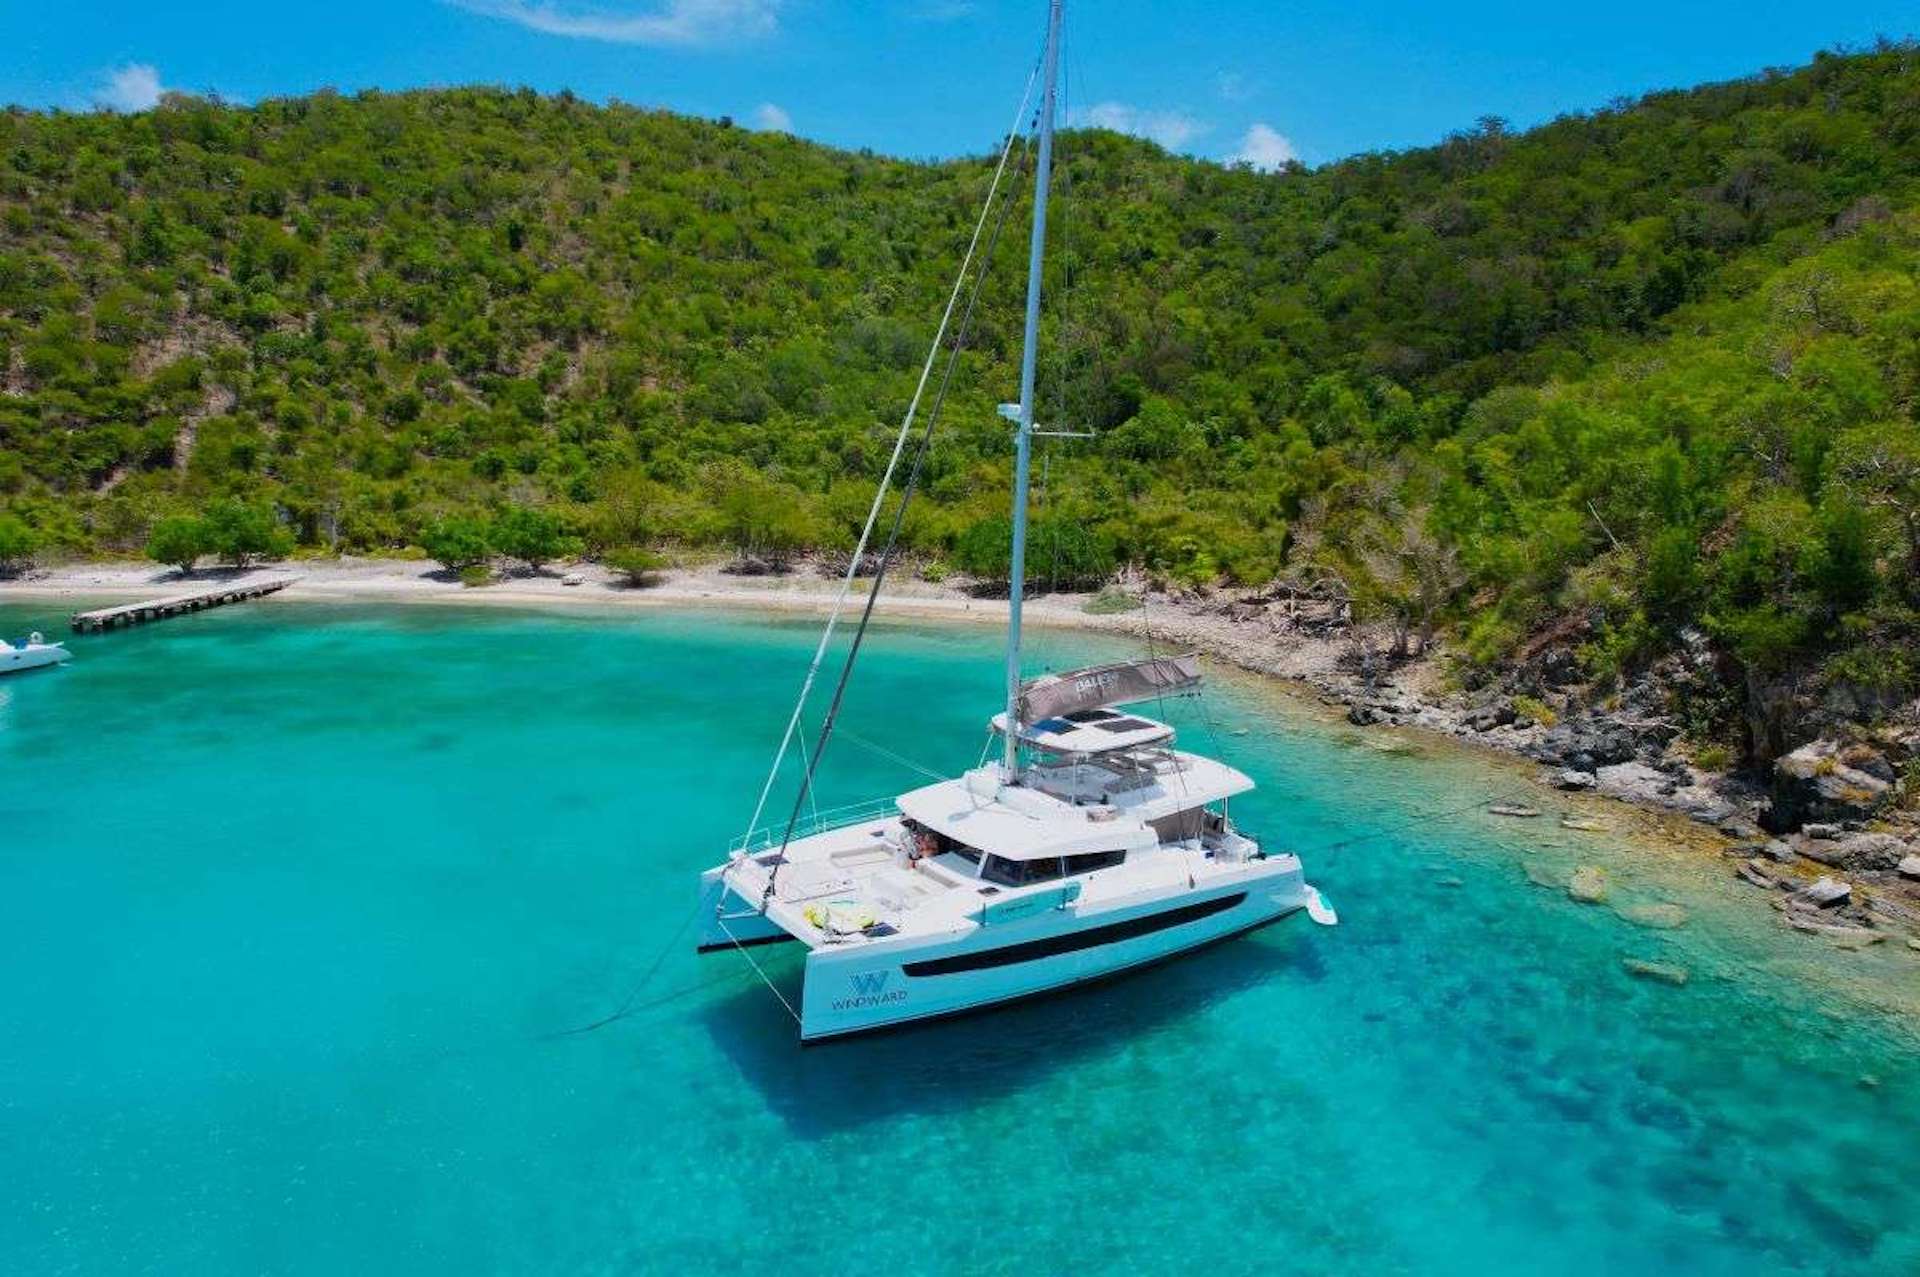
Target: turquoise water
294	900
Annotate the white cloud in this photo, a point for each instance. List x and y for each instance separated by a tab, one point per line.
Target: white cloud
1263	148
133	87
683	22
1171	129
1234	87
772	118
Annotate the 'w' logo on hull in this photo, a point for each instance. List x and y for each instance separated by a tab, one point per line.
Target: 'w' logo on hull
868	984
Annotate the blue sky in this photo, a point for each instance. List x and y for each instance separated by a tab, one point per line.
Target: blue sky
1226	79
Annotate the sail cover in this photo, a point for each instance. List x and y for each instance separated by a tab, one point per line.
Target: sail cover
1099	685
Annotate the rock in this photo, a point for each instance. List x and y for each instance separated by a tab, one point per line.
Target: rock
574	578
1757	874
1845	937
1589	885
1658	971
1777	849
1635	781
1826	892
1909	867
1488	717
1584	825
1542	877
1857	852
1657	917
1586	744
1813	783
1568	778
1739	827
1513	809
1821	831
1363	716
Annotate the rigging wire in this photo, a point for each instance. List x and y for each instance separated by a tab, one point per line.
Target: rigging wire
893	535
1014	133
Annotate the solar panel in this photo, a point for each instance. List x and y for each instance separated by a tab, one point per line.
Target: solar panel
1120	725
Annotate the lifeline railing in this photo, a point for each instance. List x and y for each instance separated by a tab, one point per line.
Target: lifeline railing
820	822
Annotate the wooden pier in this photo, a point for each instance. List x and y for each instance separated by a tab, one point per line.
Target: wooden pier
108	618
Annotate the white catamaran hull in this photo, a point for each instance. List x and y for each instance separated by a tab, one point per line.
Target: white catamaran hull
858	991
860	987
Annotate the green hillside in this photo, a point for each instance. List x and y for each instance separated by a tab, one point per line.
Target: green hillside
1648	369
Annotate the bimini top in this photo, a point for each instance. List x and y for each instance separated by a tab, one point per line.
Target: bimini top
1097	686
1090	731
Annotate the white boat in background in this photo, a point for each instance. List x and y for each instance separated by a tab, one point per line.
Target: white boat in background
1090	846
35	653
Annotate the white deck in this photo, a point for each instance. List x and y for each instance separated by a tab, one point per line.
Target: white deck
860	883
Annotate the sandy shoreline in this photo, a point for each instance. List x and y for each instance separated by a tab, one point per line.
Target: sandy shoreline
800	592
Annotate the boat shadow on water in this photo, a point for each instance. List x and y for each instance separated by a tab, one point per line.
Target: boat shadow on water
958	1062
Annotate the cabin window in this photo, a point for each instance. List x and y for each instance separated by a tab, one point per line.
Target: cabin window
1089	861
942	844
1020	873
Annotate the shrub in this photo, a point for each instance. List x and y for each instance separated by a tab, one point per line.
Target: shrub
457	543
1712	758
240	533
179	540
640	567
535	537
18	544
1110	601
1538	710
934	571
475	575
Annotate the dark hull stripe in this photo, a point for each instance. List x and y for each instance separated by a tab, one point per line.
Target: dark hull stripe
1074	942
1051	991
729	945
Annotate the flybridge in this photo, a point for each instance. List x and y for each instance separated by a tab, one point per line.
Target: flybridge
1090	731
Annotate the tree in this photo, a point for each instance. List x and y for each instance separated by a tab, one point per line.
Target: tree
18	544
457	542
639	567
240	533
178	539
533	536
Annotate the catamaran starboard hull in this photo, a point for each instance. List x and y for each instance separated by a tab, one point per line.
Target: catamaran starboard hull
861	990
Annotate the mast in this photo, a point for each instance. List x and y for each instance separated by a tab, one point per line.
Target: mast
1029	351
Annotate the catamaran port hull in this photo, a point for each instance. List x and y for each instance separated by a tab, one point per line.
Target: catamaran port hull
729	920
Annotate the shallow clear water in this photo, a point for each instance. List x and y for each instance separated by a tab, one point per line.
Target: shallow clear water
293	900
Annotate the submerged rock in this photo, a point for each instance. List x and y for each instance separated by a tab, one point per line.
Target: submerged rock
1575	780
1589	885
1513	809
1659	917
1909	867
1662	972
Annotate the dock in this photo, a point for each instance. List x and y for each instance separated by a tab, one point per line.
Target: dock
108	618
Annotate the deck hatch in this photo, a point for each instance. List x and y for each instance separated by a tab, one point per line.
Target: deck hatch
1090	938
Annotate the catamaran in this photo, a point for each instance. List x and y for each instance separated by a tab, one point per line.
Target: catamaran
1092	845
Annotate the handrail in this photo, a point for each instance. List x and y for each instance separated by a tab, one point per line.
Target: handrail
820	822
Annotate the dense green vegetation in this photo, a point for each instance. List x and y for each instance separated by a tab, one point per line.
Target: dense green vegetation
1650	369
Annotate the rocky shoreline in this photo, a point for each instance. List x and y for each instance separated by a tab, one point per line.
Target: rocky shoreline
1826	834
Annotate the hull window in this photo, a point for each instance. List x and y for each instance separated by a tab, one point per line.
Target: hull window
1091	938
